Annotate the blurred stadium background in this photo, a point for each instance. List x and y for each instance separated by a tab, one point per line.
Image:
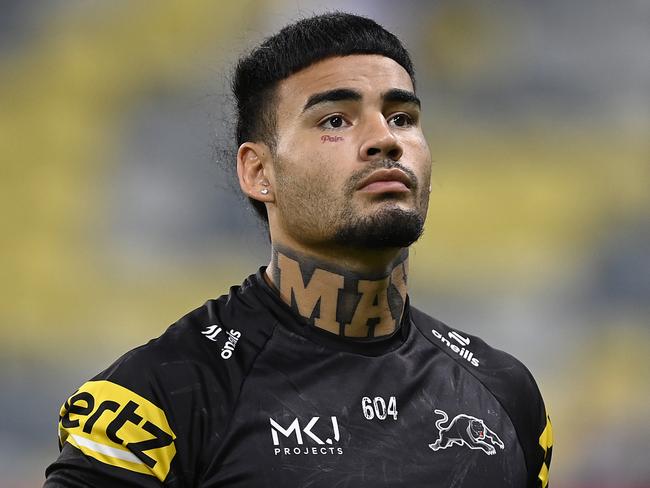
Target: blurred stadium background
116	220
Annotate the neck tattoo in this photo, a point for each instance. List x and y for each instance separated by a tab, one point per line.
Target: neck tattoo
338	300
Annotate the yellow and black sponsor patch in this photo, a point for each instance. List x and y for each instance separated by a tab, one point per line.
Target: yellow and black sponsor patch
546	442
118	427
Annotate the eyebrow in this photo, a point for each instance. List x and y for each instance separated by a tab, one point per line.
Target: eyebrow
335	95
401	96
395	95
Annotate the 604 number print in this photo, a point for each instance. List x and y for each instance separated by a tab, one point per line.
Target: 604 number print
377	408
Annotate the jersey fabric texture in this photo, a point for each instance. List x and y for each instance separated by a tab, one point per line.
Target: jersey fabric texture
242	392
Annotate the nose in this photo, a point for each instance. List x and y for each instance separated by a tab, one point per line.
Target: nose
380	142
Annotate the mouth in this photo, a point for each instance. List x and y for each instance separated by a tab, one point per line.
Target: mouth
386	181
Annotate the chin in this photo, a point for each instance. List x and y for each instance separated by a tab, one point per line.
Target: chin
389	227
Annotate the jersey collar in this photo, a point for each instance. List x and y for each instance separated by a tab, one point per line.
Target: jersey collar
289	319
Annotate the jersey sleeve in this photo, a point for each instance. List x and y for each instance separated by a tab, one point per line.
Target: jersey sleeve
115	431
519	395
532	422
515	389
157	416
521	398
545	441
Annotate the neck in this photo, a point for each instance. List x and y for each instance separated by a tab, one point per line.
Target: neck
340	300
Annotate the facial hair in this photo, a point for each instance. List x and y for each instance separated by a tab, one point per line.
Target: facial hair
320	221
391	226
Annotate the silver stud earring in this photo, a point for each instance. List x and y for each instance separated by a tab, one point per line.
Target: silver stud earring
264	191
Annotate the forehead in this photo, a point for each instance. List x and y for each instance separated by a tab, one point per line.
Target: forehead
370	74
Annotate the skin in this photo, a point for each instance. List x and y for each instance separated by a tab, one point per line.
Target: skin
313	190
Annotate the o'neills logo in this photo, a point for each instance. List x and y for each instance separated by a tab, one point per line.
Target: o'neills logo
461	351
232	336
303	440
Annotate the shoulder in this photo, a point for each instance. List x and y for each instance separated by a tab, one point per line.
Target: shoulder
209	351
180	387
499	371
504	376
218	340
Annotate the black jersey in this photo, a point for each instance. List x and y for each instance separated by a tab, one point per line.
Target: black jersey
242	392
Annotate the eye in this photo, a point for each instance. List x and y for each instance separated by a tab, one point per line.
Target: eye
401	120
333	122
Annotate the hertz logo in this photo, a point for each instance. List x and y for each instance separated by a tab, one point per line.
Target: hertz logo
118	427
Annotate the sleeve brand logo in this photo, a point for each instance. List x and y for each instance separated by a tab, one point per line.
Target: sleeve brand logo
118	427
464	341
212	332
230	341
461	351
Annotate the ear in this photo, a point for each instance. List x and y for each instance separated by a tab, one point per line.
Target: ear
253	161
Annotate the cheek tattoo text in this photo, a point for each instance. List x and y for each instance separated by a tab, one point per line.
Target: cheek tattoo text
327	138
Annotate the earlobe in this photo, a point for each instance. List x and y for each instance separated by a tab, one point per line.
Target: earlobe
252	162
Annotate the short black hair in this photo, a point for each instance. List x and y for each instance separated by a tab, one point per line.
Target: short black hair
294	48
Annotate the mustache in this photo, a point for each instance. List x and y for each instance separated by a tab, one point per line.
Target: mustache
356	178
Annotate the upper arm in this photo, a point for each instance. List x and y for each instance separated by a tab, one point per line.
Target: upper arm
74	469
109	432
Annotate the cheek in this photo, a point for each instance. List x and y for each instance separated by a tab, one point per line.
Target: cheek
331	148
305	175
310	163
310	150
419	156
327	161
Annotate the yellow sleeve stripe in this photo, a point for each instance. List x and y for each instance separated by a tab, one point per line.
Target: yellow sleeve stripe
543	475
546	443
546	438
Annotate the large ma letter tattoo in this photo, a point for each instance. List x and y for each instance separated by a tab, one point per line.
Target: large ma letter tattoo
340	301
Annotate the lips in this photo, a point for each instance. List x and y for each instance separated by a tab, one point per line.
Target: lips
386	180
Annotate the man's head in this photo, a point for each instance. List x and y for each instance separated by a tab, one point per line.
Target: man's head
323	105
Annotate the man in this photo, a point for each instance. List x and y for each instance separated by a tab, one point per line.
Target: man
316	371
